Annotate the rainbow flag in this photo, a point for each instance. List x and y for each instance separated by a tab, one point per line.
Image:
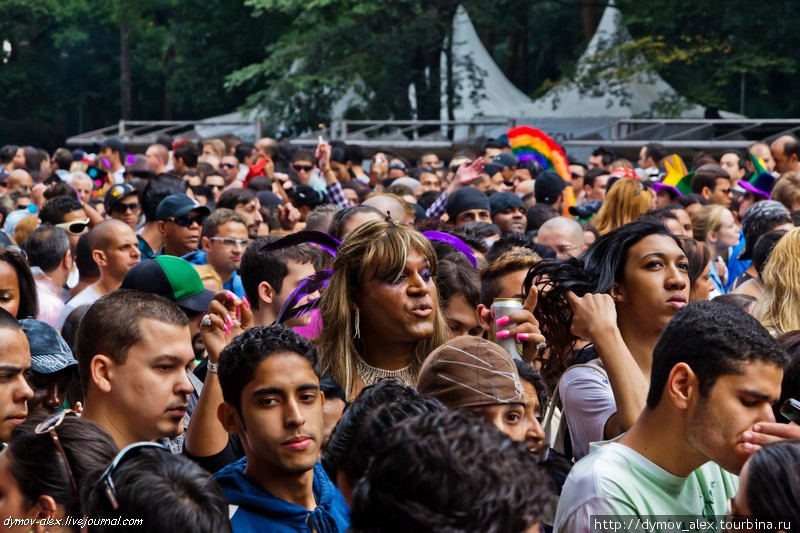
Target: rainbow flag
529	143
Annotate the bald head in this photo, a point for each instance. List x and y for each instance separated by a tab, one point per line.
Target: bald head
105	235
267	146
786	152
157	156
387	204
562	234
19	179
761	149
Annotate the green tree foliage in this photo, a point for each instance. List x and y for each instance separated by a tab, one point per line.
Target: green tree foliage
189	59
703	48
62	75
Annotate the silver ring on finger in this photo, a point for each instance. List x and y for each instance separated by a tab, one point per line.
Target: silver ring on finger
206	321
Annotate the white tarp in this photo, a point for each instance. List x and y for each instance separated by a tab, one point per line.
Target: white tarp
502	98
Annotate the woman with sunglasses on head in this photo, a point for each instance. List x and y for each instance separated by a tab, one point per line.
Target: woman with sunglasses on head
46	467
17	286
618	295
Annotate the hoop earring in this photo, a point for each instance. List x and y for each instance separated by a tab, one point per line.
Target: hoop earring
357	321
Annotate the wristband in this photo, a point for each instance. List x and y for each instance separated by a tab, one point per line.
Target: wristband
213	367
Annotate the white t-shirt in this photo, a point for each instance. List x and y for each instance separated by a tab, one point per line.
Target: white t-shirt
588	402
615	480
87	296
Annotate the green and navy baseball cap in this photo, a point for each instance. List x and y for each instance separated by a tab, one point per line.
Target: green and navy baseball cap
171	277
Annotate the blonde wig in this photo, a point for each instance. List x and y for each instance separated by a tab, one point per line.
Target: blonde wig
380	244
779	307
624	202
706	220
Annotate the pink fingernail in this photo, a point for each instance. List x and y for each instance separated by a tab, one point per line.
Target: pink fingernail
226	330
757	428
523	336
228	320
502	321
246	303
231	296
502	334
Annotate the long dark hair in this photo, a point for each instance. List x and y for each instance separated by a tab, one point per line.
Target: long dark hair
38	466
28	300
595	271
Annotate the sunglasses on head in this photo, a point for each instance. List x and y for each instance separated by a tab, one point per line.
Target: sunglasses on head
49	426
123	208
77	227
304	168
186	220
107	478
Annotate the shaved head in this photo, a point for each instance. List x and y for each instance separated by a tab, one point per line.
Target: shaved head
387	204
104	235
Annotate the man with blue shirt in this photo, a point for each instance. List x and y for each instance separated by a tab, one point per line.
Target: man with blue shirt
225	238
273	403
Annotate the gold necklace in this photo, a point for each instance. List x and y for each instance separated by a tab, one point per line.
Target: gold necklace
371	375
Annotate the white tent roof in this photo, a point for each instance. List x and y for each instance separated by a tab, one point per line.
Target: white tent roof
502	98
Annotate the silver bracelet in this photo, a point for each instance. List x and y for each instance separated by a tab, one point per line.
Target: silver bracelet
213	367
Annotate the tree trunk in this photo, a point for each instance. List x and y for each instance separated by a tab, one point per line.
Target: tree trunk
589	19
125	61
166	109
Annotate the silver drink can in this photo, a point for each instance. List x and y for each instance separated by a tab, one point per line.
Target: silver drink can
503	307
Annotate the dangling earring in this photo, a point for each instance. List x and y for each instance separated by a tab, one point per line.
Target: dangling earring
357	334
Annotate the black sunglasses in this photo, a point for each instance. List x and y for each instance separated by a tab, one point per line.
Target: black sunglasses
226	165
305	168
187	220
122	208
107	479
215	186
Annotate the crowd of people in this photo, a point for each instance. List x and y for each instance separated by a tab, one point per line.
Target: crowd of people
216	336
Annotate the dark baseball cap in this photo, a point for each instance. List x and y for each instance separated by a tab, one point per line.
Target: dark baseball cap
547	187
117	193
305	195
50	353
171	277
177	205
504	200
504	160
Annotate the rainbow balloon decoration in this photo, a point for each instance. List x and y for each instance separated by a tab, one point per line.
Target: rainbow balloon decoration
531	143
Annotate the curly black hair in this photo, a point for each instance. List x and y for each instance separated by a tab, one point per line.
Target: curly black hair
240	359
714	339
376	410
450	472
